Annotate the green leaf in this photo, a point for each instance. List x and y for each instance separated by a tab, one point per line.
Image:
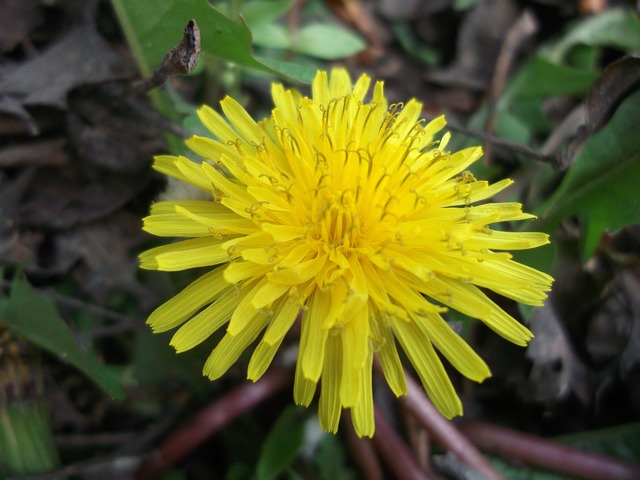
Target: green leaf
405	36
540	78
330	459
616	27
327	41
601	187
155	362
26	439
28	314
282	444
152	27
272	35
621	442
259	12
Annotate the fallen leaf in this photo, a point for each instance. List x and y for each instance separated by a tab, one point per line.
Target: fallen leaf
17	19
479	43
557	371
35	153
62	198
80	57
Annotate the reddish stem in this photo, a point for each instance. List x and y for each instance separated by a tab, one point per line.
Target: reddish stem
361	450
394	451
548	454
210	420
443	431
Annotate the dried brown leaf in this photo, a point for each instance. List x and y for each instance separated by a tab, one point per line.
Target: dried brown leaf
81	57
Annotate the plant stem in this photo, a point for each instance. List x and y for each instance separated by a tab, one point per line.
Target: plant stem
210	420
545	453
443	431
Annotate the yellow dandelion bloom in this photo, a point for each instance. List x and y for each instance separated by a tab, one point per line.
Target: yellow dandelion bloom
353	217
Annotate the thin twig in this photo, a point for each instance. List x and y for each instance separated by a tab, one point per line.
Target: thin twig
210	420
551	158
123	322
541	452
519	33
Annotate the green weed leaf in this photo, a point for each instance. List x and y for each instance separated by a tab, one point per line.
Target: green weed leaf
601	186
327	41
282	444
31	316
152	27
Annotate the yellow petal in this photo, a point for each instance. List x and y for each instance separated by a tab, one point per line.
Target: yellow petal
242	121
239	271
313	336
268	293
245	311
454	348
231	347
196	252
385	345
429	368
329	408
205	323
183	305
355	340
216	123
282	322
362	414
303	388
183	169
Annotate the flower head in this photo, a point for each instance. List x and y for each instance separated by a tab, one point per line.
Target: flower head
353	217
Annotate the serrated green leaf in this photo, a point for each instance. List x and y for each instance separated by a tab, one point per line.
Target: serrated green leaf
29	315
601	187
153	27
327	41
282	444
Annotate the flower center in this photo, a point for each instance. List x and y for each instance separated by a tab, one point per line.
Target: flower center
338	221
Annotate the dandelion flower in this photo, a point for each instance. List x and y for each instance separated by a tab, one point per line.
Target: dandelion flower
354	218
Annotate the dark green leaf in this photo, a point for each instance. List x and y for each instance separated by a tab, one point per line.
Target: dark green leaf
28	314
541	78
616	27
330	460
153	27
602	185
282	443
156	362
